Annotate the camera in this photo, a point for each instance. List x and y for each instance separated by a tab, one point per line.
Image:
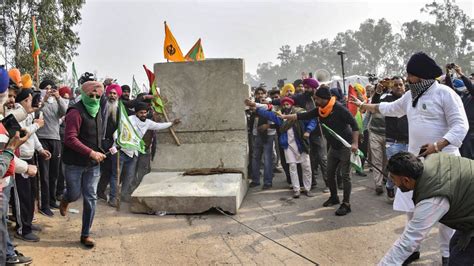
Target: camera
451	66
86	77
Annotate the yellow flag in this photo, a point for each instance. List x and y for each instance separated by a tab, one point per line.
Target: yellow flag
171	48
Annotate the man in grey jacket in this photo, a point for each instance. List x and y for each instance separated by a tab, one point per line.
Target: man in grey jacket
54	107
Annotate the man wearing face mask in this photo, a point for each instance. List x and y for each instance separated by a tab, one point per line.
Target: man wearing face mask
294	139
82	154
54	107
129	157
437	122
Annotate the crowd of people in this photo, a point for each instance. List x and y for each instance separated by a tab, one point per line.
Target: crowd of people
310	127
59	144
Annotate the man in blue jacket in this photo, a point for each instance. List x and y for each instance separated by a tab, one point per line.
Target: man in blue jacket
294	139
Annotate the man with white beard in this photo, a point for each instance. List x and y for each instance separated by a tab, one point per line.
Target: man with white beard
110	116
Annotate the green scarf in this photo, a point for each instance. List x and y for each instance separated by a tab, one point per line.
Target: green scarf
92	105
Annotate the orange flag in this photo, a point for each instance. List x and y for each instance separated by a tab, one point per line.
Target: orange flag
171	48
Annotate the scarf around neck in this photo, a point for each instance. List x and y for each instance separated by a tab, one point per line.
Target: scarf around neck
326	110
418	89
92	105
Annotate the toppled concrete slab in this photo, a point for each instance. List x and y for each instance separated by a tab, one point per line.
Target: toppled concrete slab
208	98
173	192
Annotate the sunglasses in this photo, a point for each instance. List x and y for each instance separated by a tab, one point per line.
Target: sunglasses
94	96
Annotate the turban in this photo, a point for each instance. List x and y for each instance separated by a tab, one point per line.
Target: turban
15	76
23	94
312	83
4	80
423	66
114	87
324	93
89	86
287	100
45	83
297	82
139	106
26	81
65	89
286	88
125	88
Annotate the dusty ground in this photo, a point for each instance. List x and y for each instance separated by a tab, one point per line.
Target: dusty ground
360	238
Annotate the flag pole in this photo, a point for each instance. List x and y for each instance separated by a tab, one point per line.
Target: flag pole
175	137
117	185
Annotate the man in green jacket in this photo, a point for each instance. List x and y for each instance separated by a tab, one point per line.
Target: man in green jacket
443	190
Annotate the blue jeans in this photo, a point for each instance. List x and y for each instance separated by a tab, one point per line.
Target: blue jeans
6	199
262	145
393	148
127	173
83	180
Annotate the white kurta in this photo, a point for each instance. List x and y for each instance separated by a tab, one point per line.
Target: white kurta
292	154
438	114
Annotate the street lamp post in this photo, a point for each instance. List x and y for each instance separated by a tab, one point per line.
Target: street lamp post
341	54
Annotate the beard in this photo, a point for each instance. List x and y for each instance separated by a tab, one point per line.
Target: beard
142	118
308	93
112	107
286	110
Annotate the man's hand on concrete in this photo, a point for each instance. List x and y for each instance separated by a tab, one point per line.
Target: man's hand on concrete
176	121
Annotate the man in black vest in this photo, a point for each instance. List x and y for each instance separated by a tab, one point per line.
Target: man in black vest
82	155
442	191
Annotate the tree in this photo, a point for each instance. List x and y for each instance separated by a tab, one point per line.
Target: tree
56	36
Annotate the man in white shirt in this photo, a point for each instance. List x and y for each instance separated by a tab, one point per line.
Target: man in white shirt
437	122
128	157
442	192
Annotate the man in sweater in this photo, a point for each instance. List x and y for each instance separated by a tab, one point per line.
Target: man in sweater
129	157
54	107
443	192
82	155
339	119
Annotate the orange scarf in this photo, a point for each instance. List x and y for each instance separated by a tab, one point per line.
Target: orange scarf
326	110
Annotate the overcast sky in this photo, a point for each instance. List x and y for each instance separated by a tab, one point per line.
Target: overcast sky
118	37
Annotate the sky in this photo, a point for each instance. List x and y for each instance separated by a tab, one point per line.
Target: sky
118	37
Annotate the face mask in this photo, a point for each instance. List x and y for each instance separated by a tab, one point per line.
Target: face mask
92	104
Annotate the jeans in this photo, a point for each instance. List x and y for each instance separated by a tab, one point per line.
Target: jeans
459	257
143	168
262	145
83	180
6	198
127	173
393	148
340	158
318	156
377	148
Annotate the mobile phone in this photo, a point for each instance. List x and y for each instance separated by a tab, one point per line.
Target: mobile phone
12	126
36	99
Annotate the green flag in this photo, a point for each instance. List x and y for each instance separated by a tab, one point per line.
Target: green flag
135	89
128	137
75	79
356	161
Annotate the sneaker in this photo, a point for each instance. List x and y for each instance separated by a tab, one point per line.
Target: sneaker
361	173
325	190
27	237
112	203
53	205
414	256
18	259
36	228
344	209
296	194
445	261
253	184
87	241
63	207
331	201
266	186
310	194
379	191
46	212
390	193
